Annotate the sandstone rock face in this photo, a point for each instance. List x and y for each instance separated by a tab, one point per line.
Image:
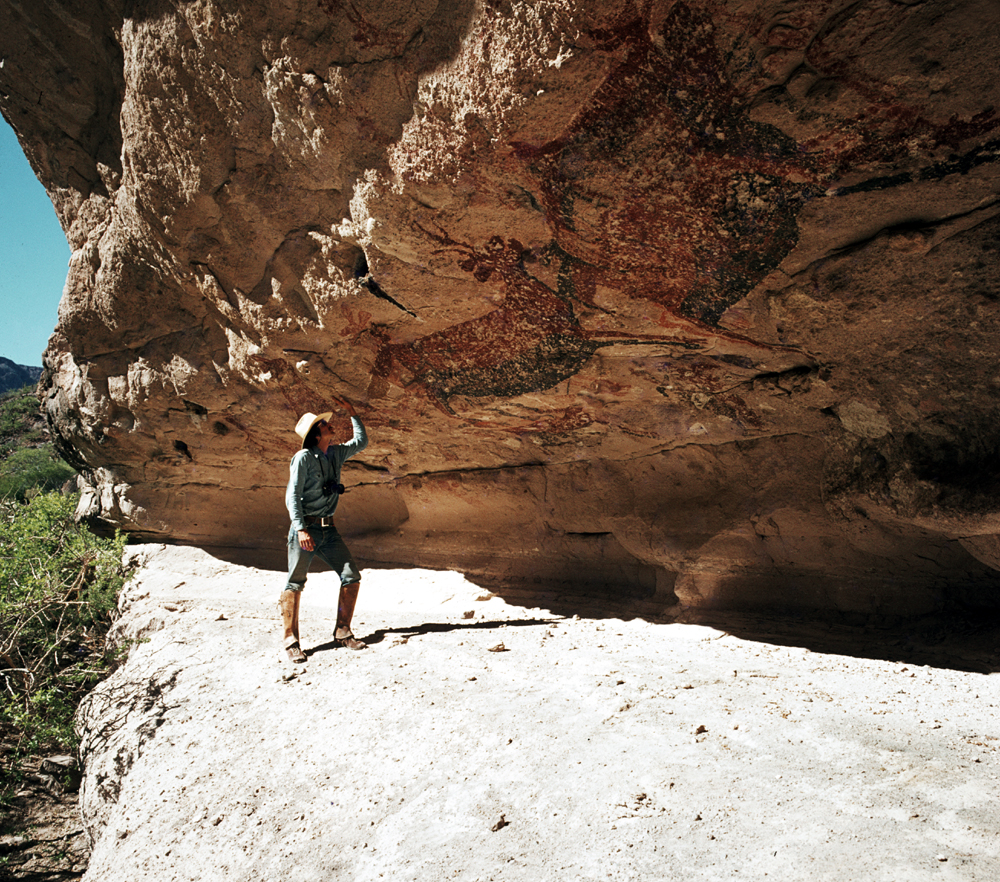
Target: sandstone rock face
693	301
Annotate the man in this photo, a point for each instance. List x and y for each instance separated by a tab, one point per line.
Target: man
313	492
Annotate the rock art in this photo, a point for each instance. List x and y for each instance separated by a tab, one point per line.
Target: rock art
690	301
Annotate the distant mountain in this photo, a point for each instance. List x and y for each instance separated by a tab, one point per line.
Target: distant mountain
14	376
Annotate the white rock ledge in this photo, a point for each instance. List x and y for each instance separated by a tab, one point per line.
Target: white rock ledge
594	748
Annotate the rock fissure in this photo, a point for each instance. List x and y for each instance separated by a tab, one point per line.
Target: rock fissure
369	284
961	165
919	228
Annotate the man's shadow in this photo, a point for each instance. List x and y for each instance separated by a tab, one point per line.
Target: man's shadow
379	634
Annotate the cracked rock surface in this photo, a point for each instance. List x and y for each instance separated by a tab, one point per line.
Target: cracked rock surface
693	302
600	745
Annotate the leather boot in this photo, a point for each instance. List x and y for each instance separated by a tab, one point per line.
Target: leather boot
342	635
297	595
288	603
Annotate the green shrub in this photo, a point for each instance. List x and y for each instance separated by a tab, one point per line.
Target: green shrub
30	469
59	585
27	465
18	408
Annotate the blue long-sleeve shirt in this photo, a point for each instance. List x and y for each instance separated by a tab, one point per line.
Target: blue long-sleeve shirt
310	470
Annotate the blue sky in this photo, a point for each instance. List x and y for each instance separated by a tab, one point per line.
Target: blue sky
33	257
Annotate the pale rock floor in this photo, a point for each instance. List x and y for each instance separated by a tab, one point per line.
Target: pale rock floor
594	748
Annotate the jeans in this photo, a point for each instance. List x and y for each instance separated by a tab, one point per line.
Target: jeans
330	548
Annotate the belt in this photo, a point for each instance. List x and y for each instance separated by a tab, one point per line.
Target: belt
320	522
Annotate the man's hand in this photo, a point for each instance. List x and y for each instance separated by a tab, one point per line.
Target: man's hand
306	541
345	406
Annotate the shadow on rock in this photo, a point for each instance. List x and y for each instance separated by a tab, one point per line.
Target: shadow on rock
960	642
963	640
406	633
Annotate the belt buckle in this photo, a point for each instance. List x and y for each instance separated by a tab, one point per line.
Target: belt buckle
326	522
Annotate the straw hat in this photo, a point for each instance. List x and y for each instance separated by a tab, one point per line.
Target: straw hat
307	421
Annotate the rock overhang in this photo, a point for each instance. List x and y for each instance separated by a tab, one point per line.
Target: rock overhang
693	302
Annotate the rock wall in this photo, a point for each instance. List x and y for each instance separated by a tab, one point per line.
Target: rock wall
693	301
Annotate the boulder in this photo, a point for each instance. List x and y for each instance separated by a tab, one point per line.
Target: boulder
693	302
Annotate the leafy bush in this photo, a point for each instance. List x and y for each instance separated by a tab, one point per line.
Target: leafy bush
18	408
29	469
28	464
58	590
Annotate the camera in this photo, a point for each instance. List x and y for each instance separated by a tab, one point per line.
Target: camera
331	487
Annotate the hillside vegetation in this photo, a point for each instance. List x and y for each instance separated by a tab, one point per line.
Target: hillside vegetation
28	461
58	590
13	376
